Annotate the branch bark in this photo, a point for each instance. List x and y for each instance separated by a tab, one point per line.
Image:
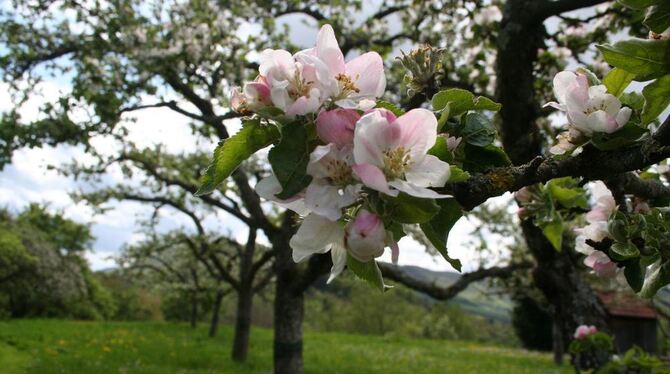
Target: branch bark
438	292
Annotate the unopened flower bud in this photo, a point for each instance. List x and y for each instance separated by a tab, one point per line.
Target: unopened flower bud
365	236
337	126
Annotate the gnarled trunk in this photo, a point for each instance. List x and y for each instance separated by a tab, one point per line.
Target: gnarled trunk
214	324
242	323
289	310
556	276
194	309
573	301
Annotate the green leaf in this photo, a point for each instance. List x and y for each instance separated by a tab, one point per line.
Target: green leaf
230	153
553	231
289	159
622	251
657	98
658	17
478	159
617	80
638	4
478	130
410	209
386	105
632	100
437	229
634	274
440	149
628	135
657	277
367	271
647	59
460	101
457	174
567	192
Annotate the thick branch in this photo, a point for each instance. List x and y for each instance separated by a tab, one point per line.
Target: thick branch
591	164
445	293
554	8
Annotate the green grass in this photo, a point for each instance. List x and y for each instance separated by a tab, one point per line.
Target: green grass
53	346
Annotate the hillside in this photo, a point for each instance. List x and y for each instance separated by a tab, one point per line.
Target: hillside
477	299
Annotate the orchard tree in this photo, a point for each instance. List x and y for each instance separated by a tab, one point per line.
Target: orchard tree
361	175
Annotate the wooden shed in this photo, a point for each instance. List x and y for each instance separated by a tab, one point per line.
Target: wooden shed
632	320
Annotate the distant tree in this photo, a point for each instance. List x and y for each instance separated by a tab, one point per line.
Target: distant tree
44	273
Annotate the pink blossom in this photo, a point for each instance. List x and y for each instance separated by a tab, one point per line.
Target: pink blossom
523	195
583	331
601	264
358	82
333	186
365	236
589	109
319	235
337	126
391	156
254	95
296	82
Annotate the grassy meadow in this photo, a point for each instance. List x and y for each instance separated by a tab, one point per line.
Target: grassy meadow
55	346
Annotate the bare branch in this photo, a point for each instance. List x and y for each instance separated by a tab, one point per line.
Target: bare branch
445	293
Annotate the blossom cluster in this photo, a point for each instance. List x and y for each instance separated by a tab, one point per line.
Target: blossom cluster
597	230
364	154
584	331
590	109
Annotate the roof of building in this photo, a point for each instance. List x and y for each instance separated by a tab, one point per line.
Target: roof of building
626	304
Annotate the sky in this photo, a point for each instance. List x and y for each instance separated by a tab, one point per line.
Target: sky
28	179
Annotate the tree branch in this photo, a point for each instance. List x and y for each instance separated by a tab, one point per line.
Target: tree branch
435	291
554	8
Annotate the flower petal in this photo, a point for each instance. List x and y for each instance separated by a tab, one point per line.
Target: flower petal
367	73
339	256
371	139
429	172
418	131
623	116
373	177
315	235
416	191
268	187
329	51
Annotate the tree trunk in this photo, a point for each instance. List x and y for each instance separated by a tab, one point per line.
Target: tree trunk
573	301
214	324
194	309
245	296
521	34
289	308
242	324
558	345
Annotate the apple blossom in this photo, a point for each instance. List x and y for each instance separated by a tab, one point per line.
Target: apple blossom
358	82
583	331
597	230
337	126
365	236
296	83
318	234
333	186
391	156
589	109
254	95
269	187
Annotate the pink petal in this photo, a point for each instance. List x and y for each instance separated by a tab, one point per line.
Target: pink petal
329	51
418	130
337	126
390	117
367	72
373	177
371	139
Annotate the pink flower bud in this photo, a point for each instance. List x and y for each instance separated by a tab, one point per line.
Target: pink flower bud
522	213
365	236
523	195
583	331
390	117
257	93
337	126
237	100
